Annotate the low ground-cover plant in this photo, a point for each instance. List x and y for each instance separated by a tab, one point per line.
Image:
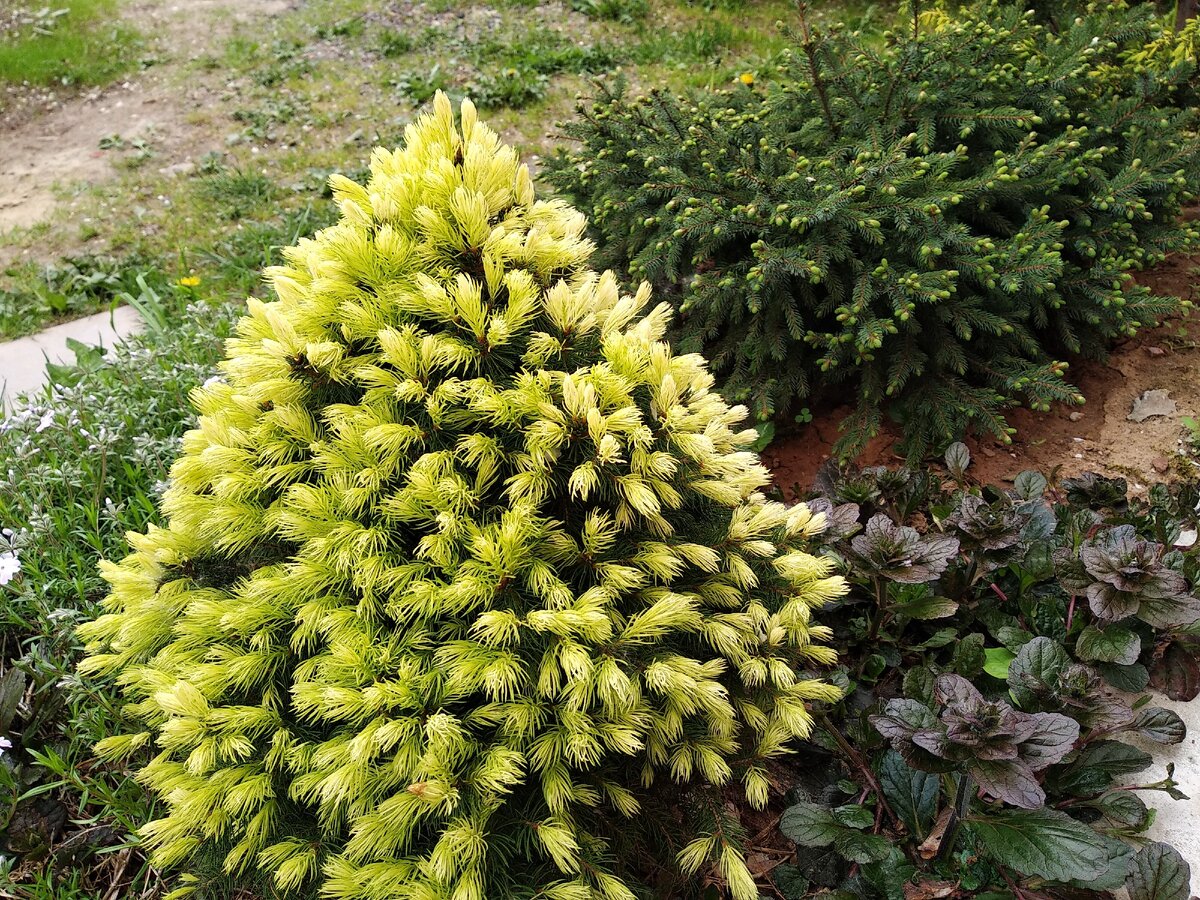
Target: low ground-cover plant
84	462
508	70
927	227
515	72
996	647
617	10
38	295
460	562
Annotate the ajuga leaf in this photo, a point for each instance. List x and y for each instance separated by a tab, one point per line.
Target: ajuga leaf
1177	672
912	793
1159	873
958	458
811	825
1131	579
1161	725
1124	808
1045	843
1095	491
1030	485
1113	644
1099	765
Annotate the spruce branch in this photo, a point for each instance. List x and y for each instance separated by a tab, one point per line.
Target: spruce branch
808	45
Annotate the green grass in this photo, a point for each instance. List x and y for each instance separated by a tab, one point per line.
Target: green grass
318	86
88	45
38	296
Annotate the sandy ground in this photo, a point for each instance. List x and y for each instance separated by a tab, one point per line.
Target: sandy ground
61	148
52	144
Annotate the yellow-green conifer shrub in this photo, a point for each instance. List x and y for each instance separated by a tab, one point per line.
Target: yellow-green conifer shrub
459	560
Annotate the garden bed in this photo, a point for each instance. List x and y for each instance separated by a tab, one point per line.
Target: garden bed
1061	601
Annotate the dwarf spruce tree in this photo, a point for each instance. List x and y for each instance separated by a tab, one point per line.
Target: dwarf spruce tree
460	560
926	226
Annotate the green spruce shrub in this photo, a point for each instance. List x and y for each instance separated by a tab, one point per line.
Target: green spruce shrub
459	561
926	226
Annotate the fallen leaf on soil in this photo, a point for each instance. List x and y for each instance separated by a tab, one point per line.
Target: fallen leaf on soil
1150	404
929	890
1177	674
759	863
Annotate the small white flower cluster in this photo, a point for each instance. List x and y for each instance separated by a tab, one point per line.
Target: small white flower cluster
10	559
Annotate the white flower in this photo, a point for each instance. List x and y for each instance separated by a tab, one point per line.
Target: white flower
5	744
9	566
46	422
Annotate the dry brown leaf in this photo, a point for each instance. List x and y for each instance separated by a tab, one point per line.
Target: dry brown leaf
929	890
931	845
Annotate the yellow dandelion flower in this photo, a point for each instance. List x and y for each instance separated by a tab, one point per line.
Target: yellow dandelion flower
189	281
746	78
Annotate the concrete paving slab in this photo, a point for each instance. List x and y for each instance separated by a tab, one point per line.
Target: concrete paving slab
23	361
1178	821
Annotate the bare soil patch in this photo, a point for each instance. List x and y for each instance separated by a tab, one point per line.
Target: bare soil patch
62	147
51	140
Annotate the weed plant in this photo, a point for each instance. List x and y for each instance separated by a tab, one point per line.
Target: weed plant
39	295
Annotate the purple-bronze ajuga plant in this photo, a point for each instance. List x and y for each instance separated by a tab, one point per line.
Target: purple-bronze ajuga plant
899	553
1130	579
996	650
1000	747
